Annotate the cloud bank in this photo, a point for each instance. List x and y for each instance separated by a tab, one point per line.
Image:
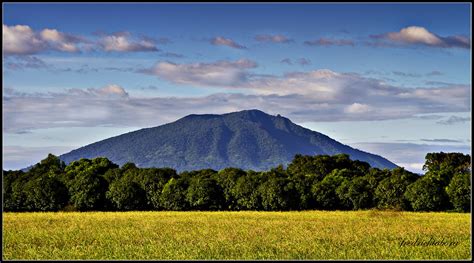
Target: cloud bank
22	40
320	95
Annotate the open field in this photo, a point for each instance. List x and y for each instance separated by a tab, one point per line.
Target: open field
236	235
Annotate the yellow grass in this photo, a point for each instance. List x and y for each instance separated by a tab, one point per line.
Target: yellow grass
234	235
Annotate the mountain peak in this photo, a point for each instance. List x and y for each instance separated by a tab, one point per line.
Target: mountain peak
248	139
253	114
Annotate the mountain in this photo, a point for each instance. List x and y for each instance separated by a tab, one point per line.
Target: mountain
249	139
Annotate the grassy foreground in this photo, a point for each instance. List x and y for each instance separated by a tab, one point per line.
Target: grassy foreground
235	235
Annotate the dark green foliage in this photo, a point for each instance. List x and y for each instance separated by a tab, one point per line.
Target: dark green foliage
45	194
12	193
112	175
86	183
321	165
87	191
358	193
125	194
430	193
245	192
248	139
459	192
390	191
173	195
37	190
303	165
427	194
204	194
324	192
152	181
302	185
443	166
310	182
278	192
50	166
226	179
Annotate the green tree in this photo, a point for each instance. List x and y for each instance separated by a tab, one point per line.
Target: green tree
459	192
45	194
204	193
443	166
173	195
324	192
358	192
86	183
302	185
51	166
226	179
125	194
245	192
112	175
318	166
427	194
278	193
87	191
13	190
152	181
390	191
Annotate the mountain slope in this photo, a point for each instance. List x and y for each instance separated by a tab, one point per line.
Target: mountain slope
248	139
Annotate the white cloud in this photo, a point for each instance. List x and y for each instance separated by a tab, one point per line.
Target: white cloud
219	73
416	35
60	41
21	39
113	106
329	95
108	92
111	90
123	42
222	41
358	108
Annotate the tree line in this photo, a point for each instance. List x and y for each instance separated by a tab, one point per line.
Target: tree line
308	182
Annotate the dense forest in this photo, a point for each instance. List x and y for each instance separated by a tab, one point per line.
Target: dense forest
308	182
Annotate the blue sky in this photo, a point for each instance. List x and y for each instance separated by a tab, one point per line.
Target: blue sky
374	76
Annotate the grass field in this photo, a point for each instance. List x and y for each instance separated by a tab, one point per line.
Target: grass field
236	235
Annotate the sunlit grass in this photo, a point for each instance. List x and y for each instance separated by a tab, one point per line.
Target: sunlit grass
233	235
